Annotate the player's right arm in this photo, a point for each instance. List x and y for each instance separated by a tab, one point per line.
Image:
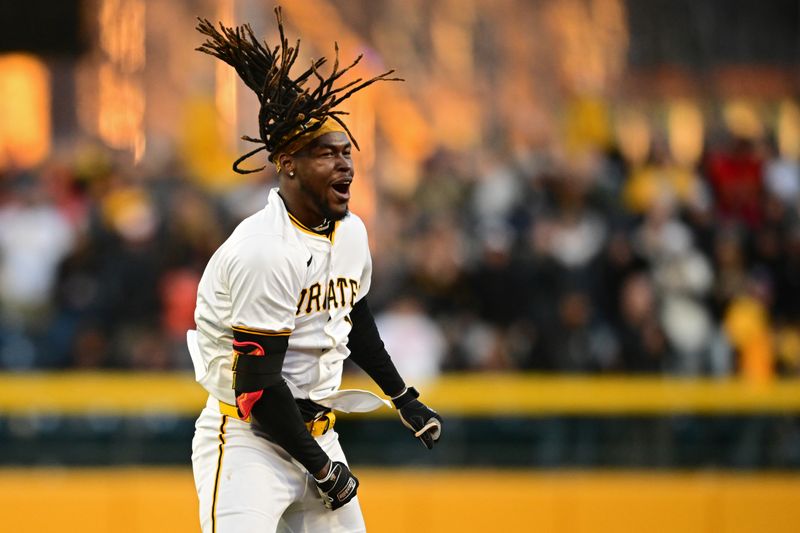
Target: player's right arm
262	393
264	280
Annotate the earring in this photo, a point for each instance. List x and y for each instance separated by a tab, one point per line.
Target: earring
291	174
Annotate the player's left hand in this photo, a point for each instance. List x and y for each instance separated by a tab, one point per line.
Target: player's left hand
424	422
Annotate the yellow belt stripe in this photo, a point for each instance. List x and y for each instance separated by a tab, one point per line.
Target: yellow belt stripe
316	427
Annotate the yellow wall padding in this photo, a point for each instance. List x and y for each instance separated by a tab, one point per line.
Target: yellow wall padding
400	501
454	394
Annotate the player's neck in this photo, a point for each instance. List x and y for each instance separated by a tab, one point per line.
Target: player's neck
313	221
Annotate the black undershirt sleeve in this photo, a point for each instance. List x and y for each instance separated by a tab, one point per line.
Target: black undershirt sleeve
277	413
258	360
368	352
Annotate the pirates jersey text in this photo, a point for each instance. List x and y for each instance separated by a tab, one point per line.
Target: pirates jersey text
275	276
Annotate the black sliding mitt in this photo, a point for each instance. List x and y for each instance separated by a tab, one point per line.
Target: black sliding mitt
424	422
338	487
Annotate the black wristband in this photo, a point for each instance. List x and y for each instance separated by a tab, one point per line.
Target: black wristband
405	398
368	352
277	414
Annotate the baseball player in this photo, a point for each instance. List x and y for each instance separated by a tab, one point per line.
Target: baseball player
281	304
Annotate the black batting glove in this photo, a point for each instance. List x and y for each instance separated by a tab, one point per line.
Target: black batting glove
424	422
338	487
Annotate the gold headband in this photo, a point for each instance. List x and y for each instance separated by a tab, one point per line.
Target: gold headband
293	147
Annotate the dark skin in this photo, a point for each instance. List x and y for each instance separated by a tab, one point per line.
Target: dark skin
315	186
315	181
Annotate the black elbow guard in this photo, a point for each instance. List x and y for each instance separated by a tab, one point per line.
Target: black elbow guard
257	359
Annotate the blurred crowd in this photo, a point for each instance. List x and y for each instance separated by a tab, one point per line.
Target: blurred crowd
548	263
531	260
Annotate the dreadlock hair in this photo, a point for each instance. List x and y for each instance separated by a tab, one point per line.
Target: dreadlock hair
289	109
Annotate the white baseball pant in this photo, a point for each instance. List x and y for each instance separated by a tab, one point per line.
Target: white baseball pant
246	483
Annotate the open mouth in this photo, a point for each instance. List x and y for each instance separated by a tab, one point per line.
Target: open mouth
342	187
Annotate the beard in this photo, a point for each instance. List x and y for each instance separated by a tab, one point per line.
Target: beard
336	217
319	201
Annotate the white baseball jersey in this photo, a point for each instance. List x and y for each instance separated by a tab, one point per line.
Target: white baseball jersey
275	275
